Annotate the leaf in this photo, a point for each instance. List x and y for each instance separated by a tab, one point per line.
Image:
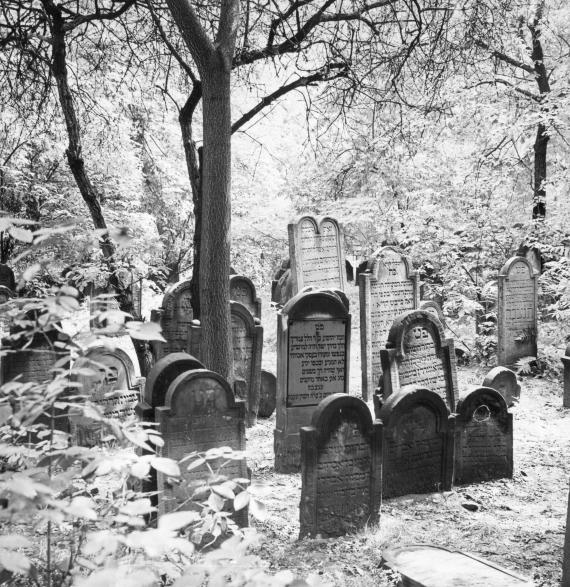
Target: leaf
31	271
82	507
166	466
145	331
215	502
258	510
13	541
140	469
241	500
224	491
15	562
138	507
195	464
21	234
177	520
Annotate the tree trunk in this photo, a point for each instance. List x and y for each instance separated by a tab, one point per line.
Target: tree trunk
539	191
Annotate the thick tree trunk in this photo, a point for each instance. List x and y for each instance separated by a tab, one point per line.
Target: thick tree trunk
539	191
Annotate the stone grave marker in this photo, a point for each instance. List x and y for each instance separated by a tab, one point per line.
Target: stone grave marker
434	308
387	288
505	382
313	349
175	317
200	412
247	344
566	363
516	312
340	468
267	394
113	386
316	250
5	296
417	443
242	290
417	353
483	437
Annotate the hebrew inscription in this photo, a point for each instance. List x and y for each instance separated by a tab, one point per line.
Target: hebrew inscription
242	344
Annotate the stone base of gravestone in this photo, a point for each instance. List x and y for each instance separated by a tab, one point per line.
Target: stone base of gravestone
267	394
483	437
505	382
422	565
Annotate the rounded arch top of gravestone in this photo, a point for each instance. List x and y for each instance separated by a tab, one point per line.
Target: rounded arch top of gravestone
239	309
317	303
177	298
434	308
97	354
5	294
204	399
390	261
398	404
406	322
481	404
339	403
511	265
164	372
533	255
243	290
505	381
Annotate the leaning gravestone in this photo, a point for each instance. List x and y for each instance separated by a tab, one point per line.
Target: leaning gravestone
483	437
566	363
340	468
505	382
242	290
108	379
516	312
267	394
313	349
200	413
247	344
417	353
388	287
316	249
175	317
417	443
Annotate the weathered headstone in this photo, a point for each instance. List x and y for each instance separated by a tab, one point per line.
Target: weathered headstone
247	344
517	332
200	413
417	353
175	317
340	468
505	382
316	250
566	364
5	320
417	443
112	386
267	394
483	437
434	308
313	349
242	290
388	287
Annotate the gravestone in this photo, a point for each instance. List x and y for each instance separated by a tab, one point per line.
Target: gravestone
267	394
316	250
483	437
175	317
566	559
505	382
281	284
516	313
417	443
434	308
340	468
242	290
417	354
532	255
388	287
200	412
566	364
112	385
313	350
5	320
7	278
247	344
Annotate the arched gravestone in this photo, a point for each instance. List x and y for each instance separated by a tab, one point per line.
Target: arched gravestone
316	250
516	312
566	363
417	443
242	290
483	437
313	350
112	385
175	317
340	468
247	345
417	353
433	308
505	382
267	394
388	287
200	412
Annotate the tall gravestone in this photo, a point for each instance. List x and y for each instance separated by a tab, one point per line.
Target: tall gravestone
242	290
566	364
108	379
388	287
267	394
313	350
505	382
516	313
340	468
483	437
417	353
247	345
316	250
175	317
200	413
417	443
